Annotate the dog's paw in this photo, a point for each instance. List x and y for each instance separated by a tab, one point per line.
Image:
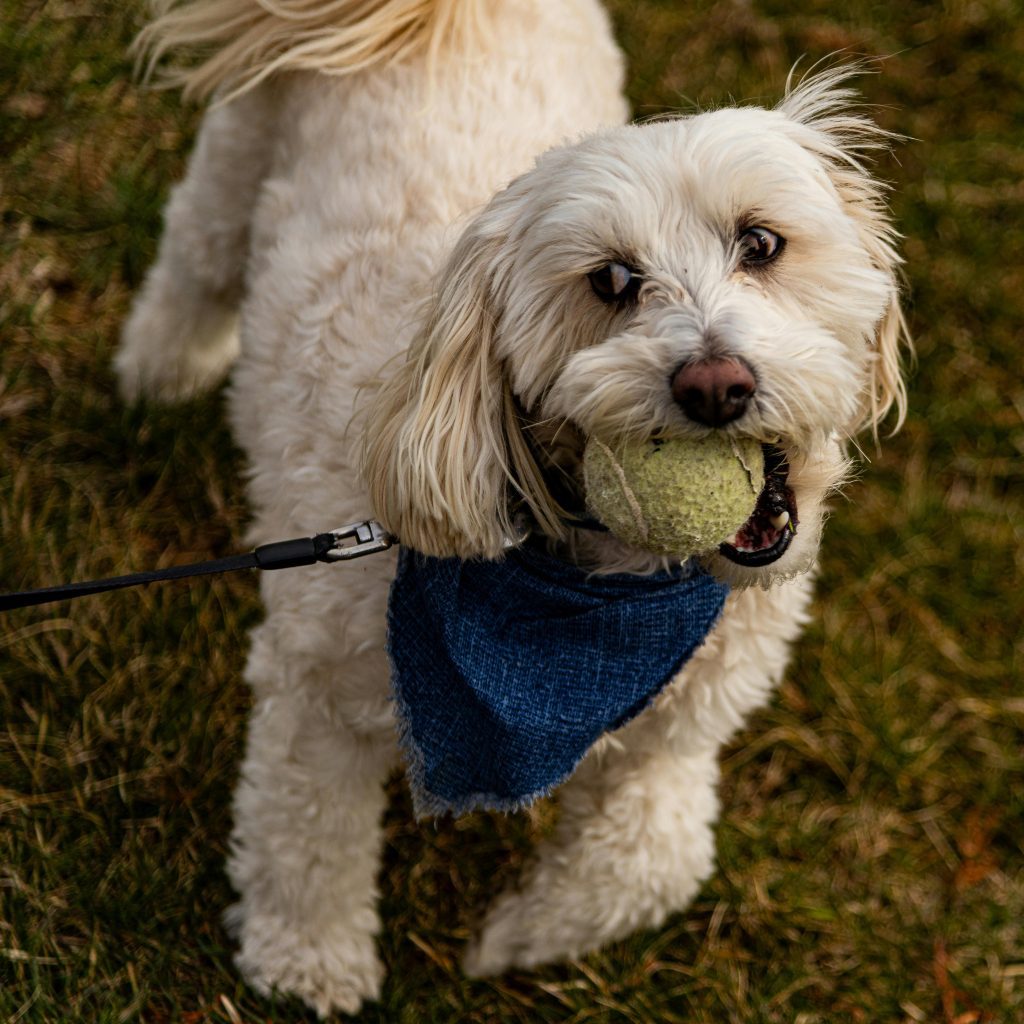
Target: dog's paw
335	969
169	382
171	359
501	943
570	905
520	932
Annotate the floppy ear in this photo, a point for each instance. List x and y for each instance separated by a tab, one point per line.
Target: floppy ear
444	455
819	105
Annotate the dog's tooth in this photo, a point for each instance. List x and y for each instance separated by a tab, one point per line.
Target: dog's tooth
780	520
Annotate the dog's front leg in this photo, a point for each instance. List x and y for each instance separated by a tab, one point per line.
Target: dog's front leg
633	844
306	844
634	840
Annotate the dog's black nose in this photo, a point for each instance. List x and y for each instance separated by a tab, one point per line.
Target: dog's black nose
714	391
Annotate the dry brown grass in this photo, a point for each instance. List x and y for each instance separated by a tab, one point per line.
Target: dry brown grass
872	847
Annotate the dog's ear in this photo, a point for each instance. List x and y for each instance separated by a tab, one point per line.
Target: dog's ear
819	108
445	458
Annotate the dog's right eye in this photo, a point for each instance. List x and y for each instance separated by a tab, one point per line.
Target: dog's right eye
615	282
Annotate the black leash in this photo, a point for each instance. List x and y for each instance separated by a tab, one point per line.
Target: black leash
352	541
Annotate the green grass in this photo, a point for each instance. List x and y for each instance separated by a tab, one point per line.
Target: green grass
872	844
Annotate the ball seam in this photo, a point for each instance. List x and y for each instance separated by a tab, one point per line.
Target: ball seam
631	500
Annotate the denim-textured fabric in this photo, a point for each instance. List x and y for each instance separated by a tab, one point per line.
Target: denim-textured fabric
504	673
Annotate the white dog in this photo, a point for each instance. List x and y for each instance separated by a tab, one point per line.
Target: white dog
729	271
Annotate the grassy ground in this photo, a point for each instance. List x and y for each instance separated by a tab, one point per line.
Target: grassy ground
872	846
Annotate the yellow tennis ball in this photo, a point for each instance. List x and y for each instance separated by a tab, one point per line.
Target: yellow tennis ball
674	497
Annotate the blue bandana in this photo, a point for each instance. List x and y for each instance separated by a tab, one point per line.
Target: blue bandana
505	673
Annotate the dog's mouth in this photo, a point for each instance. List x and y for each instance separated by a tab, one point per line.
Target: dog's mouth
767	534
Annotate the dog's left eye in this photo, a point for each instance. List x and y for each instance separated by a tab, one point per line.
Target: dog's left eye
759	245
615	282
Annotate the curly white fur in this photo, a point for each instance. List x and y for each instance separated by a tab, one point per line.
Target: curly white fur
339	216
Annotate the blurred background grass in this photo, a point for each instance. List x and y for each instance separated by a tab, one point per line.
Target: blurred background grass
872	845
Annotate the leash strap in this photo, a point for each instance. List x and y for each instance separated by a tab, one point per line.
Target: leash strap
351	541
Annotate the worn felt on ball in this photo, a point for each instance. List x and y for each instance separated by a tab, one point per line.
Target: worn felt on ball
677	496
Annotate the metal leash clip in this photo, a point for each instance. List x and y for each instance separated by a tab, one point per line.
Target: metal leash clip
369	536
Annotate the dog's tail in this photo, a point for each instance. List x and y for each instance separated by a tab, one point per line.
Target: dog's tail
228	46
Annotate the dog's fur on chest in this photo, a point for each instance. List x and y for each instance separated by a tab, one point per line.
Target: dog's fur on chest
390	227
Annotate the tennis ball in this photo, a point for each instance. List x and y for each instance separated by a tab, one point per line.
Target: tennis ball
674	497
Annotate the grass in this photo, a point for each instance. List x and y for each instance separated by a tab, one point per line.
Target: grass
872	844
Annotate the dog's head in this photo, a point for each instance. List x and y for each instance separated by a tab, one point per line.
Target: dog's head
731	271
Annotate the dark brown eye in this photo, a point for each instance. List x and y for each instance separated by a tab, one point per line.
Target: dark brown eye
759	245
615	282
